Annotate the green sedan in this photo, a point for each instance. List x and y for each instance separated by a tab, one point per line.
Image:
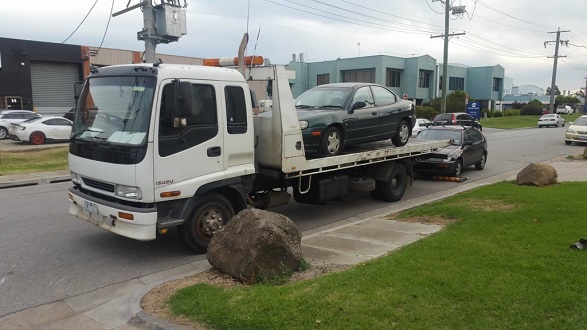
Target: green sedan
334	116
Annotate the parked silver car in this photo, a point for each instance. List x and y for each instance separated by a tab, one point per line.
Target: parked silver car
13	116
551	119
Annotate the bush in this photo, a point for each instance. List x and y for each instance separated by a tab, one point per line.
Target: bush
511	112
531	110
487	113
425	112
497	114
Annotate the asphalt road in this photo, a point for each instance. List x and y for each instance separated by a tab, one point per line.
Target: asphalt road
46	255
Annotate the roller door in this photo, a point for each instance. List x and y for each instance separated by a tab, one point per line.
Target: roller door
52	85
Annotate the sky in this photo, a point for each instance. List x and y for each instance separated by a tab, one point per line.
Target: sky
517	34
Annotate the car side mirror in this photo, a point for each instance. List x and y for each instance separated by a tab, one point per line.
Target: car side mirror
466	144
357	105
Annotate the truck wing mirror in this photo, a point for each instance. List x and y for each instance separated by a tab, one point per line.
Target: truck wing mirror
183	99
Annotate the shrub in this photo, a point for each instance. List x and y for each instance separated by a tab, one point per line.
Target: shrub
511	112
425	112
531	110
497	114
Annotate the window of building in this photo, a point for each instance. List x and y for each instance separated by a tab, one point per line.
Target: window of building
456	83
322	79
392	78
424	79
363	75
496	84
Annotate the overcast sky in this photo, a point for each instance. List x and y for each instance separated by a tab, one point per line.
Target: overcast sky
509	33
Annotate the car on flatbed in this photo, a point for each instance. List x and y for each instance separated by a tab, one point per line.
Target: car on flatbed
333	116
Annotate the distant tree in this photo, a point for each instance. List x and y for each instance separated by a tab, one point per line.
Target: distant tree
455	102
517	105
556	90
566	100
580	93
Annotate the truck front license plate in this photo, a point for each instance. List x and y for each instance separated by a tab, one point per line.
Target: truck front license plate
91	207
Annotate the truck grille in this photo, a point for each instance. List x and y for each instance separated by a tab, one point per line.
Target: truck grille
99	184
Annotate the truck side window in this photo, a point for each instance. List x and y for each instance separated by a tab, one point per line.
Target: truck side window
202	123
236	110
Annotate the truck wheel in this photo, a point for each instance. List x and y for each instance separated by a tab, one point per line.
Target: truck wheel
332	142
209	214
393	189
402	135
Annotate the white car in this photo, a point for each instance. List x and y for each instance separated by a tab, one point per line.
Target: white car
13	116
551	119
421	124
564	109
577	132
42	129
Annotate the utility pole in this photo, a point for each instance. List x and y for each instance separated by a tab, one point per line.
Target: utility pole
446	35
556	56
170	25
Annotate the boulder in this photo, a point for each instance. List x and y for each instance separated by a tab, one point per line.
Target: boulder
256	244
537	174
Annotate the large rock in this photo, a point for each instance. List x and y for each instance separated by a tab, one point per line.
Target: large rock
256	244
537	174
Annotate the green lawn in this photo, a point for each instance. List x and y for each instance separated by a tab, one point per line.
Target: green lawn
30	161
519	121
505	263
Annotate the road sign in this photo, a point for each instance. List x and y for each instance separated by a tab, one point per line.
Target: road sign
405	96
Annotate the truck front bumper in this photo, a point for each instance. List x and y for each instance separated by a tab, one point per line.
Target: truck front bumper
106	215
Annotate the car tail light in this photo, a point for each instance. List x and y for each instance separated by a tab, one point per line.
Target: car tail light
453	120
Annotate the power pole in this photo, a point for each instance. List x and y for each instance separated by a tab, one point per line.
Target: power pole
446	35
171	25
556	56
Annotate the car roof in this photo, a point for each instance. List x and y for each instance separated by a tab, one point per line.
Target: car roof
347	85
3	112
450	127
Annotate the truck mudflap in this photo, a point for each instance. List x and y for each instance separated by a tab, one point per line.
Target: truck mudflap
143	227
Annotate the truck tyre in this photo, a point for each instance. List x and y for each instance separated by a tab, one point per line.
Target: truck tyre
209	214
393	189
332	142
402	135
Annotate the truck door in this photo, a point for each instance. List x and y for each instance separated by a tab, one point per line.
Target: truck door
191	156
363	123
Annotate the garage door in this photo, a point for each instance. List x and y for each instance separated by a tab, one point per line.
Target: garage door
52	85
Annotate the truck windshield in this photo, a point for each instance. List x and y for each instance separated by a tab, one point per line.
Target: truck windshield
115	110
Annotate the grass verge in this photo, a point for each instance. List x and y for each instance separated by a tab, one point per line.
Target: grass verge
503	262
31	161
520	121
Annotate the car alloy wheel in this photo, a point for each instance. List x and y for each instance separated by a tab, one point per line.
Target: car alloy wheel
481	164
3	133
402	135
458	168
332	142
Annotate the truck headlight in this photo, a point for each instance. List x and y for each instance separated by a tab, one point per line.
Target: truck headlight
75	178
303	124
128	192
